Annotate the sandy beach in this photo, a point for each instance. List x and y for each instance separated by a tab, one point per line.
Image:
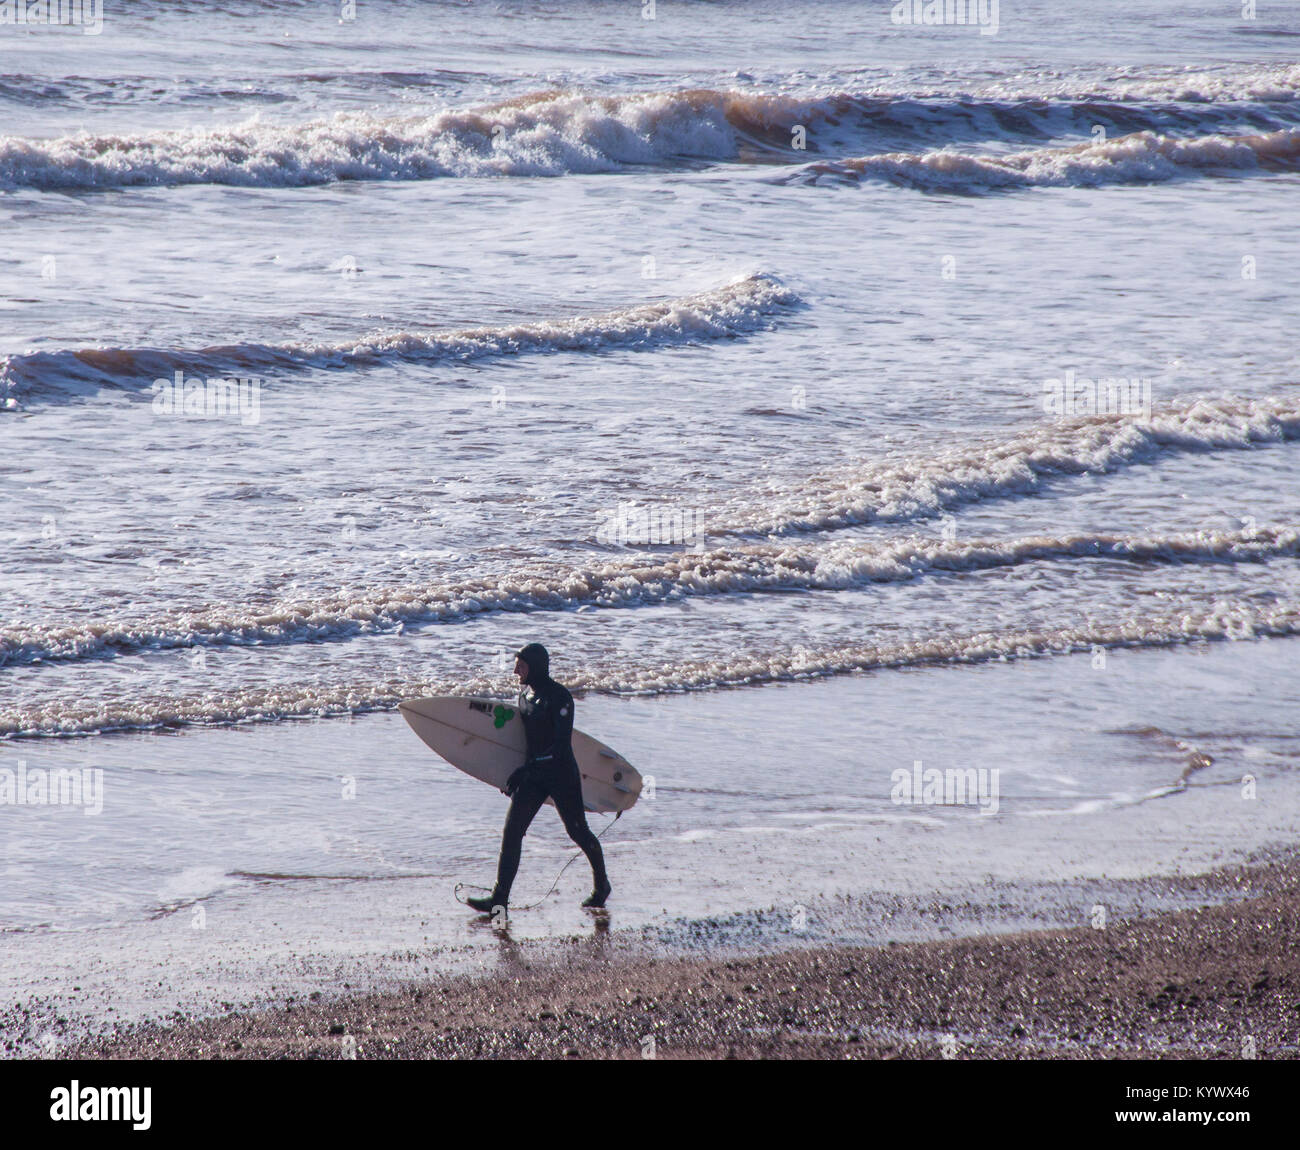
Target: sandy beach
1220	982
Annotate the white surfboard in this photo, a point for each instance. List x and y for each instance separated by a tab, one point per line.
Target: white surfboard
485	739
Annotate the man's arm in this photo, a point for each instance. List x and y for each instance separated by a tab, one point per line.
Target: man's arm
563	740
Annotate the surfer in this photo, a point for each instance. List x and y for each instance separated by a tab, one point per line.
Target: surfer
550	770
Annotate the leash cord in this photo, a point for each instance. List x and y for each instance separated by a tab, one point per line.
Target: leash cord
529	906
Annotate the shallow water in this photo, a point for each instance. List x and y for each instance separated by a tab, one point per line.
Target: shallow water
243	864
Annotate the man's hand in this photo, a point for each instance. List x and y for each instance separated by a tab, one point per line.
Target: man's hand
517	779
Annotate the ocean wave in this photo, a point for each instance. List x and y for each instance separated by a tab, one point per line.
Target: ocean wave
746	304
1227	620
1176	89
548	133
1236	83
563	132
125	90
899	491
631	582
1142	157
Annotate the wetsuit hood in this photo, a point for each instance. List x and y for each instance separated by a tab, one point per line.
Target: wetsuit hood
539	663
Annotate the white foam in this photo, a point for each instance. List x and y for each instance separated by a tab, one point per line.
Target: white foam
1227	620
544	134
1140	157
560	132
620	583
900	491
744	304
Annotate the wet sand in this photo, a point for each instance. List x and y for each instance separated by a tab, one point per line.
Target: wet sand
1220	982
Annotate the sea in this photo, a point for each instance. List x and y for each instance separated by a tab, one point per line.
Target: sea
885	413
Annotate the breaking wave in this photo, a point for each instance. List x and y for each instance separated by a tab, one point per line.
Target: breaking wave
624	583
549	133
1142	157
562	132
893	492
1226	621
744	305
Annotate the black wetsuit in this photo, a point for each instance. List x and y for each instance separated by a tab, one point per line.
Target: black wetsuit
551	770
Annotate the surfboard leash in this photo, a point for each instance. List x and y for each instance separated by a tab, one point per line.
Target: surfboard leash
529	906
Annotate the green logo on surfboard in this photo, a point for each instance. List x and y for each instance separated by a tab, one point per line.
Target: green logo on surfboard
501	716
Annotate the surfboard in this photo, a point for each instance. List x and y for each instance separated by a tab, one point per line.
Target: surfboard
485	739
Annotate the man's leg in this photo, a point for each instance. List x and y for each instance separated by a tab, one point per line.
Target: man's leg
568	801
527	801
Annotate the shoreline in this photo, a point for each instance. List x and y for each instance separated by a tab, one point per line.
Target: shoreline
736	855
1220	981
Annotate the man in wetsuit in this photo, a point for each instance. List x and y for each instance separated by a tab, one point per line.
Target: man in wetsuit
551	770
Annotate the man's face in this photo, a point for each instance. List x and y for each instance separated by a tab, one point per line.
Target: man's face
521	669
